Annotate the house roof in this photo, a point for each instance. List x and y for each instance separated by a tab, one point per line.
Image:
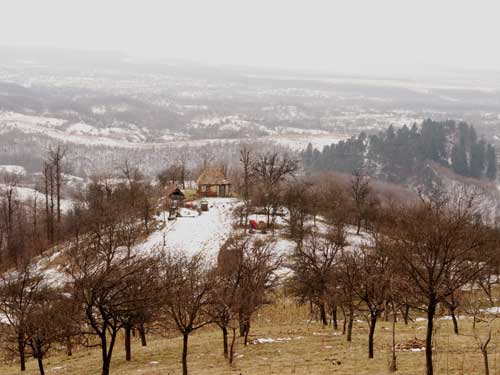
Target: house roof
212	176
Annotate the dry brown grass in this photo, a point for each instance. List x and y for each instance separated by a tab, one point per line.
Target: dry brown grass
311	350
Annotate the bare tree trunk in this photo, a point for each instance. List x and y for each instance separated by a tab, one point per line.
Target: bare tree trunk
350	323
142	334
393	367
242	324
322	313
40	364
52	226
47	211
104	355
454	319
69	346
345	320
246	221
10	219
268	218
386	312
128	348
107	352
405	311
224	341
22	358
231	349
247	331
371	334
105	368
334	318
428	339
185	338
34	235
484	351
58	189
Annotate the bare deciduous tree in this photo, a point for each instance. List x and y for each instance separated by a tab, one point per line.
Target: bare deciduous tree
438	248
18	294
247	179
367	274
313	265
100	281
186	285
270	169
46	323
363	199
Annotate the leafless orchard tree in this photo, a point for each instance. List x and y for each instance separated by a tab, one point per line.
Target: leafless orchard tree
313	266
298	198
141	299
479	302
18	296
46	323
367	274
270	170
439	249
186	283
364	201
259	266
226	294
102	282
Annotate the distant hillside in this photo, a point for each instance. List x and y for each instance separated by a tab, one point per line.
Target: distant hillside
398	156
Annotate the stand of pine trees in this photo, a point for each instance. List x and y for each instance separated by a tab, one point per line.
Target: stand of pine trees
396	154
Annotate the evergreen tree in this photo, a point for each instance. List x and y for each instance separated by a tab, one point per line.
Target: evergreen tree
459	159
395	155
477	159
308	156
491	157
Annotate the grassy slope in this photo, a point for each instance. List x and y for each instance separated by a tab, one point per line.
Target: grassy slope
317	352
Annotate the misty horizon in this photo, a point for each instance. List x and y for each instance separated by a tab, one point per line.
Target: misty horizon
341	37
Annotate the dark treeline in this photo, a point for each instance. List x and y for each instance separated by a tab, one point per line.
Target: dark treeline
397	154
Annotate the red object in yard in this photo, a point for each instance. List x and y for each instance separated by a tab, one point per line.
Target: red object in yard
188	205
253	224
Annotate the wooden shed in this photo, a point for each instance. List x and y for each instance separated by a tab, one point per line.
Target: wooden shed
174	193
213	183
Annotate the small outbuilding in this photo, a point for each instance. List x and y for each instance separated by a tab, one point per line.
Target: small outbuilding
213	183
174	193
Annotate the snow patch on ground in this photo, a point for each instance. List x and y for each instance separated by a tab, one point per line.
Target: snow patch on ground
194	233
491	310
15	169
277	340
26	194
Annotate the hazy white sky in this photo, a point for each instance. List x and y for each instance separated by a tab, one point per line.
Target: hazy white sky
341	35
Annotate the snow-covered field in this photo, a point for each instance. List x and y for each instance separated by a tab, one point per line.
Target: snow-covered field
14	169
299	142
193	233
26	194
78	133
132	136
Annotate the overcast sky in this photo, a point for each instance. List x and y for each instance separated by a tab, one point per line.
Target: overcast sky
343	35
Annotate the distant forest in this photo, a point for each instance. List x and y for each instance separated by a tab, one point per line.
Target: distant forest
397	154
